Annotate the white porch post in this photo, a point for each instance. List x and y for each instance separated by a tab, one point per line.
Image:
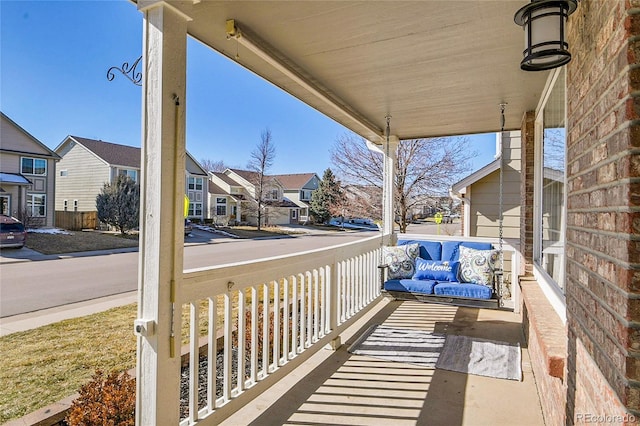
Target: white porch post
162	195
389	149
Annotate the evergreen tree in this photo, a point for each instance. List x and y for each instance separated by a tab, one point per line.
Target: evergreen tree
118	204
328	200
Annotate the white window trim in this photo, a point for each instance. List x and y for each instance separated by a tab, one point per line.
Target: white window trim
549	287
30	199
46	166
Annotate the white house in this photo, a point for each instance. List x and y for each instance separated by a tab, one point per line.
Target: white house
298	188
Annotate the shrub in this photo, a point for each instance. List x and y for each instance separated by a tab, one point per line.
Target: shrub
105	400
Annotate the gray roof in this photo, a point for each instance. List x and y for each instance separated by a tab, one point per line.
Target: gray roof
225	178
112	153
215	189
14	178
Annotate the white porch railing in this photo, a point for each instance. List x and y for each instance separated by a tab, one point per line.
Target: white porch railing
264	318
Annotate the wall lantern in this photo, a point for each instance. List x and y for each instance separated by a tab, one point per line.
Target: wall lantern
544	23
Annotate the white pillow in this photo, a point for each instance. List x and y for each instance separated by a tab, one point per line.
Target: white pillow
477	266
401	260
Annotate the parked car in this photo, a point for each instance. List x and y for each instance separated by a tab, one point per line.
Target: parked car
188	227
12	232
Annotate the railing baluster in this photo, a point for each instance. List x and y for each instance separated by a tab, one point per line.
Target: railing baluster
303	317
212	347
194	361
349	285
228	330
340	287
254	334
323	302
241	340
265	329
286	323
276	324
294	319
309	289
316	305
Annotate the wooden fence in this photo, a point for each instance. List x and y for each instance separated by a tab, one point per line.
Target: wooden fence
76	221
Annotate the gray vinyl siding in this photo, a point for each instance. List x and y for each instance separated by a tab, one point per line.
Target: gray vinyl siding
86	175
14	139
21	144
485	195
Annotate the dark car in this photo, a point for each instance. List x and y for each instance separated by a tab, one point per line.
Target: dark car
12	232
187	227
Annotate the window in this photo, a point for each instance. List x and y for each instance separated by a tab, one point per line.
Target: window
305	194
194	183
550	181
64	173
133	174
271	194
195	209
294	214
36	205
33	166
65	205
221	206
75	205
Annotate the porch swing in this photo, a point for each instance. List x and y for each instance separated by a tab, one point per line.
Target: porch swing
459	273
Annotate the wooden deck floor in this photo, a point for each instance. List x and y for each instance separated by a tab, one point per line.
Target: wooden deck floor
337	388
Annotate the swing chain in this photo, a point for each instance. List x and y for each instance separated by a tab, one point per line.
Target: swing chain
500	271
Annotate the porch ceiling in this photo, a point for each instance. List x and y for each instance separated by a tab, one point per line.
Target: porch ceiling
438	67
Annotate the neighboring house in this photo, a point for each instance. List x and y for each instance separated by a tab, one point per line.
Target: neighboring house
87	164
197	183
226	197
480	193
298	188
239	194
27	176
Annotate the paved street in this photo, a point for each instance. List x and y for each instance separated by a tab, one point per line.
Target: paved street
35	285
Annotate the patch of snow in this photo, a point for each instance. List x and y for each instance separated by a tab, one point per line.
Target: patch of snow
215	231
48	231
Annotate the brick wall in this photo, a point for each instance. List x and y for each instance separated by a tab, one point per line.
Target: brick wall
603	209
526	193
547	345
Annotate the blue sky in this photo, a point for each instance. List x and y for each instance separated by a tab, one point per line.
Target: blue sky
54	56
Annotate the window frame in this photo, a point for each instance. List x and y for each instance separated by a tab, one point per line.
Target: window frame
33	166
195	183
552	289
30	204
132	173
193	209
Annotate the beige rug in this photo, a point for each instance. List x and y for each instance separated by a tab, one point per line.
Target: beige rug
463	354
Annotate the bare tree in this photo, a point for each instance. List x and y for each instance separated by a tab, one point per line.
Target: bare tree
262	158
424	167
213	165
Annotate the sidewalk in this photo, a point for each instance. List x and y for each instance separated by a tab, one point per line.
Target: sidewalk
27	255
37	319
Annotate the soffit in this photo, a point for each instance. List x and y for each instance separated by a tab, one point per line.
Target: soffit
438	67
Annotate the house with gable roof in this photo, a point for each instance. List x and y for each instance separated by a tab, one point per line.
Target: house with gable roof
87	164
27	175
298	188
233	196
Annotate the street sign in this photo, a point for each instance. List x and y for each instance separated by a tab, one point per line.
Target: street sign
438	218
